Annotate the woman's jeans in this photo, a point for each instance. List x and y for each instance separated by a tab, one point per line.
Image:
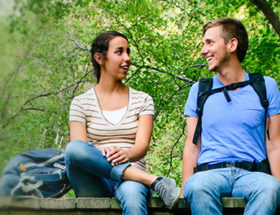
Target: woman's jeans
204	190
91	175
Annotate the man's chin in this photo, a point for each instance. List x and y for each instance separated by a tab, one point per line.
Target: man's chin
212	69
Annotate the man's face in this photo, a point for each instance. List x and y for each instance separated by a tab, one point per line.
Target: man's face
214	49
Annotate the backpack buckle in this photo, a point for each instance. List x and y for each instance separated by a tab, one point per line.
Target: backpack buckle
266	103
198	111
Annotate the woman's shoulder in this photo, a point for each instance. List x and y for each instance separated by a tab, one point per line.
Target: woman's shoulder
139	94
88	95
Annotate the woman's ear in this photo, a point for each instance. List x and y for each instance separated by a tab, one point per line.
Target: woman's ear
99	58
232	45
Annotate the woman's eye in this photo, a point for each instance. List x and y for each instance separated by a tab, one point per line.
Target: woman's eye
119	51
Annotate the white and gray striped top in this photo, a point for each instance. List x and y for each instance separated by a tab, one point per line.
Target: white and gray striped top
100	132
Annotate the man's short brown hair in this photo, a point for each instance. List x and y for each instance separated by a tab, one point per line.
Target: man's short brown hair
231	28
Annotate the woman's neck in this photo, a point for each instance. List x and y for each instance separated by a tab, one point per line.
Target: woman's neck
110	87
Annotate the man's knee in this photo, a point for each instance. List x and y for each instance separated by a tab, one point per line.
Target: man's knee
211	182
192	185
271	187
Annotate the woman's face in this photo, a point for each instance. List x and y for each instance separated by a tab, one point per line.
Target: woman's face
117	60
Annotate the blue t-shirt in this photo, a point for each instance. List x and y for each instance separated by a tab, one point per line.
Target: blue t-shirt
233	131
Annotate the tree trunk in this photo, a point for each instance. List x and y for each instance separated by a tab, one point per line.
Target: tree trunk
269	14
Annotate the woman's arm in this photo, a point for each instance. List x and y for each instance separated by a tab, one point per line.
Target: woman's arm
117	155
78	131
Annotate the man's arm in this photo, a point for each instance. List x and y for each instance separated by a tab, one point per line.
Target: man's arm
273	146
191	151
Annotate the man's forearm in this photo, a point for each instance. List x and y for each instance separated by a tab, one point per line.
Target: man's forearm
274	160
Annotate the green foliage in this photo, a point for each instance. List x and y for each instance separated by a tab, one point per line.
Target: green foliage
45	62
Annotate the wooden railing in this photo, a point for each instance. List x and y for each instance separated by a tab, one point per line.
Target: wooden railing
101	206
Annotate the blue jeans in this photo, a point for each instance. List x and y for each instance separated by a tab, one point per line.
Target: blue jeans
204	190
91	175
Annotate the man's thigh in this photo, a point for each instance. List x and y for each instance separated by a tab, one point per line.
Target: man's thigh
215	182
247	183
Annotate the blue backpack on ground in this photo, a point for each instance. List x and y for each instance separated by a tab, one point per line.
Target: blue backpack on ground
36	174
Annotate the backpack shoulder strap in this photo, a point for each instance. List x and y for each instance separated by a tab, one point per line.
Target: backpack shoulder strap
259	86
204	88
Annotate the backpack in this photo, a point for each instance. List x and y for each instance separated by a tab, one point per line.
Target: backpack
37	173
205	90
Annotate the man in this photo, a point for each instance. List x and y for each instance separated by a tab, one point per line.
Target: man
233	131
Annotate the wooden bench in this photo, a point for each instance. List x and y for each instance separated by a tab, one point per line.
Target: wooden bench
101	206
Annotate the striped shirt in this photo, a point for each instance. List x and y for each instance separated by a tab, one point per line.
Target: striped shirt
100	132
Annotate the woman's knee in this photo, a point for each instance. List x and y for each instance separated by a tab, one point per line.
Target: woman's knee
72	146
76	150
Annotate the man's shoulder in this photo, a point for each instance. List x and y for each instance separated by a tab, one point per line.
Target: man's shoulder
269	79
195	86
270	83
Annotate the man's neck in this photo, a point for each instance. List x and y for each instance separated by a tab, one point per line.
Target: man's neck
232	73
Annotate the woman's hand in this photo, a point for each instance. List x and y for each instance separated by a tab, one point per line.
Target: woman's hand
116	155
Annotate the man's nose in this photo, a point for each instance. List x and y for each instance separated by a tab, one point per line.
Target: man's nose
203	50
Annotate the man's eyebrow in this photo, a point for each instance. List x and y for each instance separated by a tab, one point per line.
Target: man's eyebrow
207	40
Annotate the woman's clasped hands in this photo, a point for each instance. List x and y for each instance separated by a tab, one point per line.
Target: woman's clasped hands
115	155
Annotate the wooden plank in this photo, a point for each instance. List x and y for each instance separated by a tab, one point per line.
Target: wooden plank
114	204
58	204
93	203
11	202
231	202
182	204
156	202
39	212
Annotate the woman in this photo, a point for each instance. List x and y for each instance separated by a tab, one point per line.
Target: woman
110	130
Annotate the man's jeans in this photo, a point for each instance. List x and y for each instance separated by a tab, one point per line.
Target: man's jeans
204	190
91	175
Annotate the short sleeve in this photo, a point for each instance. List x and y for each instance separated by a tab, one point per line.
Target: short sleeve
77	112
147	107
273	96
191	103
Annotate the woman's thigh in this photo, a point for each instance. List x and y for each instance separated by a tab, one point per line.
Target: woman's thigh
87	185
87	158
